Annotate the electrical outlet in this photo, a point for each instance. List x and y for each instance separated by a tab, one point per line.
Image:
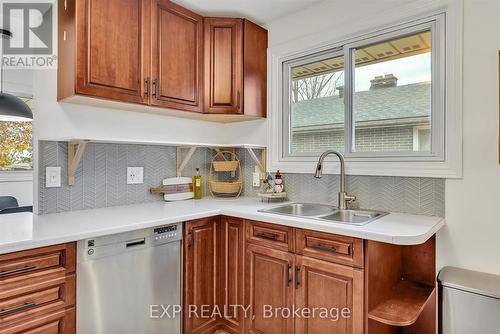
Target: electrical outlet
256	177
135	175
52	177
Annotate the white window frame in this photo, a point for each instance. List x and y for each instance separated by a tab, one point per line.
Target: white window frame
445	160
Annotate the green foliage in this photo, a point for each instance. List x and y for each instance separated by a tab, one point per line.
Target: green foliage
15	145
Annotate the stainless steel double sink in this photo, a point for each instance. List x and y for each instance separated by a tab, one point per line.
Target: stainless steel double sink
326	213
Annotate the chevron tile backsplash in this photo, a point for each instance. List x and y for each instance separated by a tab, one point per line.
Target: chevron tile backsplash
101	181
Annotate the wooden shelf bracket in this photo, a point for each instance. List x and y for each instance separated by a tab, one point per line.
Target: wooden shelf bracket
75	154
261	164
182	163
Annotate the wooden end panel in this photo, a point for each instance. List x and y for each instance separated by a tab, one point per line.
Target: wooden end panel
66	49
270	235
330	247
254	69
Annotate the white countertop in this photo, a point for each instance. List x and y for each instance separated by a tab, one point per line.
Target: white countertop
19	231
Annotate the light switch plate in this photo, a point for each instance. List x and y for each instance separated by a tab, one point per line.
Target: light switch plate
135	175
52	177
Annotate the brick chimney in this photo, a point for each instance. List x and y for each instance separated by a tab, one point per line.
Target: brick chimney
381	81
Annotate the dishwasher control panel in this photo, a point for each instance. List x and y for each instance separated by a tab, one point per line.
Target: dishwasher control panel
167	233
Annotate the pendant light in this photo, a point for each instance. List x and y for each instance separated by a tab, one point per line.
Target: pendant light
12	108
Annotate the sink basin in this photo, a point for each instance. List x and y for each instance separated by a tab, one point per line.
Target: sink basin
302	209
326	213
354	217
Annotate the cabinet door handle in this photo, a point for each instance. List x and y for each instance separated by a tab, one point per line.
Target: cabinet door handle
288	279
297	279
264	235
325	248
16	309
147	82
191	238
155	88
17	270
238	99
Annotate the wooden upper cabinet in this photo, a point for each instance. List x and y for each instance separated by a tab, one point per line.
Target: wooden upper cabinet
223	65
159	54
112	45
177	57
235	67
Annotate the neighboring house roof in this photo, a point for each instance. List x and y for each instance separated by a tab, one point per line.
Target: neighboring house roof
392	104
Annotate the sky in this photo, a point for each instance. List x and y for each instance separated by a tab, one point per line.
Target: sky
408	70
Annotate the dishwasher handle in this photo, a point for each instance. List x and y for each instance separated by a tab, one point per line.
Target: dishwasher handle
135	242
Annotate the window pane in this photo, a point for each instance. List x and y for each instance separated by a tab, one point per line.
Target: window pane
392	99
16	144
317	106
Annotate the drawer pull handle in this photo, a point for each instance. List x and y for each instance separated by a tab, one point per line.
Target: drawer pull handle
147	87
16	309
269	236
297	278
17	270
288	279
325	248
155	88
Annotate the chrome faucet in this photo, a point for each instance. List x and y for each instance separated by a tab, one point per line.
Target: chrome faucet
343	196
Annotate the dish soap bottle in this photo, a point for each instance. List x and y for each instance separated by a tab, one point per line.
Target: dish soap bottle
197	184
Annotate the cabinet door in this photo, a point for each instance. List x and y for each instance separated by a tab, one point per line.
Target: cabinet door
113	49
200	273
177	58
330	286
232	251
268	286
223	65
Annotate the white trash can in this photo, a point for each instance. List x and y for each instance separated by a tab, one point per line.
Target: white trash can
469	302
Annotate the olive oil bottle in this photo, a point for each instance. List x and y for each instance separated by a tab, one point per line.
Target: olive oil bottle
197	184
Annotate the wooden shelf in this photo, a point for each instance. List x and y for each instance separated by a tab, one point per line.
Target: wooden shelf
404	305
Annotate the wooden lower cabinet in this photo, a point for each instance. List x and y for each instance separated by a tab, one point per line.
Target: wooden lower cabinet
60	322
269	284
226	263
231	260
37	291
200	274
323	286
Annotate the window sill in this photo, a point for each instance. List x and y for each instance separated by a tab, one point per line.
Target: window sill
16	176
436	169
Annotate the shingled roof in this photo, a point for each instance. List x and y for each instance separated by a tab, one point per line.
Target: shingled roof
390	103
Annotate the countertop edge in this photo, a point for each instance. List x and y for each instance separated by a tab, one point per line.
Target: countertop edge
251	214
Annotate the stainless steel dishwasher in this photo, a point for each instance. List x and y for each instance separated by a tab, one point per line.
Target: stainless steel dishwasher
124	279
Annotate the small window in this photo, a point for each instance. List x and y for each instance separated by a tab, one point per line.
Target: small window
392	93
376	96
16	143
316	100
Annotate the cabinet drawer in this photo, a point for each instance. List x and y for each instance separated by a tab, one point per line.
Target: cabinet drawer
60	322
270	235
38	297
330	247
29	261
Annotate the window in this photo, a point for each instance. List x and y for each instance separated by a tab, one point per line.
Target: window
16	143
373	97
